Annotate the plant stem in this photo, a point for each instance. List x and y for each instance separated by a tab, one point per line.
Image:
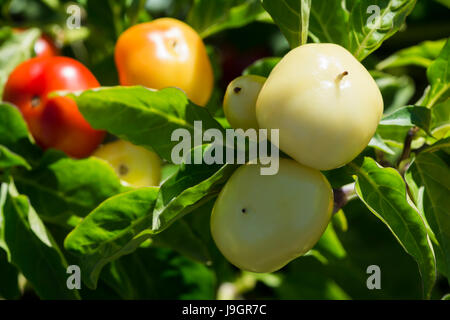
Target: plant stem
407	145
343	195
304	16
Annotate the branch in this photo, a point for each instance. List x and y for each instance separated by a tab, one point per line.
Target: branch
343	195
407	145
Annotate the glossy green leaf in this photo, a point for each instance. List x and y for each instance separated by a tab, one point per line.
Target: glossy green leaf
340	176
320	276
373	21
15	49
438	74
30	245
142	116
340	221
360	26
368	242
393	136
181	238
421	55
428	179
377	142
408	117
329	244
329	21
292	17
440	119
394	127
189	188
443	144
112	230
384	193
210	17
14	133
157	273
9	159
63	190
13	128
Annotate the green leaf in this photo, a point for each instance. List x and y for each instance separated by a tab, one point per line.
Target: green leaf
360	27
397	91
443	144
438	74
185	191
393	128
52	4
374	21
262	67
13	128
181	238
210	17
368	242
383	191
9	159
408	117
111	231
377	142
329	244
14	133
189	188
142	116
157	273
31	247
121	223
63	190
393	136
428	178
340	177
5	33
15	49
307	278
421	55
292	17
9	278
329	21
340	221
444	3
440	119
199	222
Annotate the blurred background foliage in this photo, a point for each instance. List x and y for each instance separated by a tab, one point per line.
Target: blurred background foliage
355	240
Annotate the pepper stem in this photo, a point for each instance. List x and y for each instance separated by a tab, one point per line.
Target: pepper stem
341	76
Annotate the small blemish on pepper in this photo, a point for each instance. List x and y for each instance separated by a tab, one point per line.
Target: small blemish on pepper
35	101
123	169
